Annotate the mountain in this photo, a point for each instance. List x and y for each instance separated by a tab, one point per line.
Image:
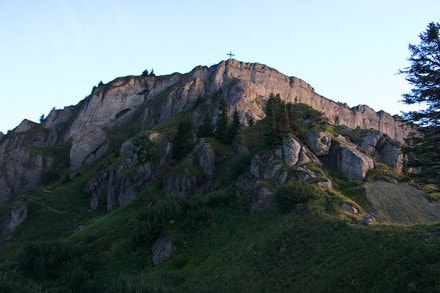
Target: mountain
148	183
137	103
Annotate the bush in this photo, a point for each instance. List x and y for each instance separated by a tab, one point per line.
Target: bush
143	149
287	197
46	259
238	166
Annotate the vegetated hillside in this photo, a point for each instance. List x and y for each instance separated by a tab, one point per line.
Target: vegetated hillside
177	183
276	206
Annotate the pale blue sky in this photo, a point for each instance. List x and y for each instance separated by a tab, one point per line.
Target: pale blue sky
53	52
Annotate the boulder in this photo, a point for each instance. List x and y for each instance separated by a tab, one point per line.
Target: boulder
388	152
383	148
291	149
367	220
349	208
369	142
353	164
319	142
163	248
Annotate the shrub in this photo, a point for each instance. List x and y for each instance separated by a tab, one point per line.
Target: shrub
46	259
287	197
143	149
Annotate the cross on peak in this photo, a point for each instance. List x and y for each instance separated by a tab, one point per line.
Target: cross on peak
230	55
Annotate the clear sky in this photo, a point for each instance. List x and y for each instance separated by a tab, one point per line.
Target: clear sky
52	52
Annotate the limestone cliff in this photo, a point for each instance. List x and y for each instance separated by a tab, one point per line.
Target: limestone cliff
137	103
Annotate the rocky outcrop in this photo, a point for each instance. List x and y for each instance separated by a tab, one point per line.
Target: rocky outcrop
24	126
118	186
205	158
1	135
346	158
382	148
275	165
10	221
258	195
193	173
319	142
163	248
26	157
87	147
182	181
285	164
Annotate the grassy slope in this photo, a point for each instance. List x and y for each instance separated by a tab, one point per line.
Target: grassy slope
305	250
220	246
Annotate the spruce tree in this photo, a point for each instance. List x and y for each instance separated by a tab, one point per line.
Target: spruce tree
222	126
424	75
183	141
274	121
207	128
234	127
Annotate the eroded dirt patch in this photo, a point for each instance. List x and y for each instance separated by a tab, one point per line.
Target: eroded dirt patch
401	203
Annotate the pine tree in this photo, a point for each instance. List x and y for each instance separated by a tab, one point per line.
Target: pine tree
222	126
183	142
424	75
235	125
274	110
207	128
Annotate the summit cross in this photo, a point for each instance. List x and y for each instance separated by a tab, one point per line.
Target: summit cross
230	55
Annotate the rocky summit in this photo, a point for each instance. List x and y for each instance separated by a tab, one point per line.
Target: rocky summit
228	178
140	102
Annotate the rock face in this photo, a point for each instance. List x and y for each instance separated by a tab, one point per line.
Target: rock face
276	167
137	103
383	148
319	143
345	158
119	186
163	248
13	218
27	155
87	147
205	158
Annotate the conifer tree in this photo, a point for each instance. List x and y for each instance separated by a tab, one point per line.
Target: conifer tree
273	134
222	126
424	75
235	126
183	142
207	128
